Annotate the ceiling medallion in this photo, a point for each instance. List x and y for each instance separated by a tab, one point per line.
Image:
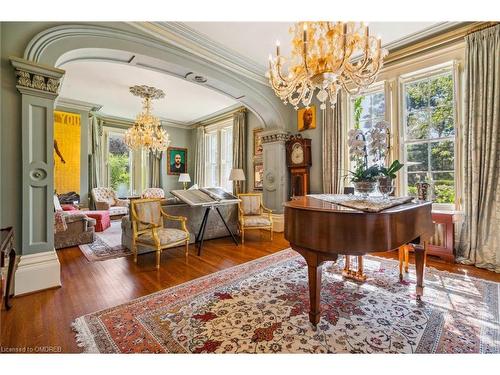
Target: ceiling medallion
325	57
147	132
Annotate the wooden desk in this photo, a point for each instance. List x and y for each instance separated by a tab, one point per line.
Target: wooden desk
320	231
7	250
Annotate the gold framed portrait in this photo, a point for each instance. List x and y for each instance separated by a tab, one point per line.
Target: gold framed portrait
258	172
306	118
257	142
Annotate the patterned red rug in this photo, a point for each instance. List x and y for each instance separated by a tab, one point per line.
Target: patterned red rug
261	307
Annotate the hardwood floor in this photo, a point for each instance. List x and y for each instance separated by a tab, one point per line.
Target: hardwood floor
43	319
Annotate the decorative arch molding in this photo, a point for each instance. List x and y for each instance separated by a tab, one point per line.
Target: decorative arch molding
51	45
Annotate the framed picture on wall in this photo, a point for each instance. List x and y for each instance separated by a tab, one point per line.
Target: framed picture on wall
257	142
258	173
177	160
306	118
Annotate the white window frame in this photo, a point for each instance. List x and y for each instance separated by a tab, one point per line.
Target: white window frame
447	67
217	128
380	86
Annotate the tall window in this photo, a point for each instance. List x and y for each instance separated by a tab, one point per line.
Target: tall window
119	164
367	109
219	155
429	133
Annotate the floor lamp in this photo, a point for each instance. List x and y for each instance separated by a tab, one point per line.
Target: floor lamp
237	175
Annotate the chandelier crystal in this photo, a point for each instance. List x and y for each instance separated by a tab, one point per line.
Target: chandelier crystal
325	57
147	131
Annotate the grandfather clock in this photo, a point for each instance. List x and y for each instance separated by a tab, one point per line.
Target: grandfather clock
298	158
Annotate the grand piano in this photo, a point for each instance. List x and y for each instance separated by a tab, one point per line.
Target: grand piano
320	231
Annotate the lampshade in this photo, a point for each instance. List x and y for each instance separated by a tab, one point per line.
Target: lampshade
184	177
237	175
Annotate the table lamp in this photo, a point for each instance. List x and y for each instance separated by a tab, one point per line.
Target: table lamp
237	175
184	178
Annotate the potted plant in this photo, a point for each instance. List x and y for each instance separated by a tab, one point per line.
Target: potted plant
387	177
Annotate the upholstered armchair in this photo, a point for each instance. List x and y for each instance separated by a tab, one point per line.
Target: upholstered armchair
148	229
253	215
153	193
105	200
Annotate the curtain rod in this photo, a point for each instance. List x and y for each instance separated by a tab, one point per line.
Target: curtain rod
483	27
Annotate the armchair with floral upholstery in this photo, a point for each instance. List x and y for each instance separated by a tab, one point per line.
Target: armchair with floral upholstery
148	230
105	200
153	193
253	215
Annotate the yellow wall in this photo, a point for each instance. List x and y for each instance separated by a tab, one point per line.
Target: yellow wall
67	136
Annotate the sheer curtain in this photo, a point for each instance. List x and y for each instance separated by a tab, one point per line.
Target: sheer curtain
239	146
332	150
199	157
95	157
480	234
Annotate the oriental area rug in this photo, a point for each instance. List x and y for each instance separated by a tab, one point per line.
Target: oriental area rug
106	245
262	306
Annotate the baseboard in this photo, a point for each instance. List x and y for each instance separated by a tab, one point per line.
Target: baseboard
279	223
37	272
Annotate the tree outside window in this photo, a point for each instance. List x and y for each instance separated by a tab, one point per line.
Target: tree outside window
429	126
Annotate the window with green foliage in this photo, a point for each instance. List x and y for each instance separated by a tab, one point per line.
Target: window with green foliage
429	133
367	110
118	164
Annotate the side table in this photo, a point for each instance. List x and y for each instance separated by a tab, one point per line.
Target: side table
7	250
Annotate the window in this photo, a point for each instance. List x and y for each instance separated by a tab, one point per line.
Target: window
219	155
125	171
429	133
119	161
366	110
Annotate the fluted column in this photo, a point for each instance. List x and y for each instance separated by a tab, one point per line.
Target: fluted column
39	87
275	179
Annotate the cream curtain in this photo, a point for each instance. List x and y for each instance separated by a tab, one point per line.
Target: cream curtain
155	169
480	234
239	146
199	157
332	150
95	157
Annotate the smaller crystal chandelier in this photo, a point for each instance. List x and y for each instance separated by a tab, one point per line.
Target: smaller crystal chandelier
325	57
147	131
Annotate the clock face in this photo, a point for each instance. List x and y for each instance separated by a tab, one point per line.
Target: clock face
297	155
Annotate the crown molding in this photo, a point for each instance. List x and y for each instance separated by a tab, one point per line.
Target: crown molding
126	122
183	36
217	116
78	105
443	35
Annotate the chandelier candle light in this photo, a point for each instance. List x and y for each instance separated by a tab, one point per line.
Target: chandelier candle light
147	131
325	57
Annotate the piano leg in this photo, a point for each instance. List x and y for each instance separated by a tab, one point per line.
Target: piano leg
314	261
314	272
420	253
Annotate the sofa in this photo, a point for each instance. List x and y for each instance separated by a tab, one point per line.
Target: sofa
79	230
173	206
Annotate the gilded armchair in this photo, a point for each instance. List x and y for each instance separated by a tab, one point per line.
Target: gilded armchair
148	229
253	215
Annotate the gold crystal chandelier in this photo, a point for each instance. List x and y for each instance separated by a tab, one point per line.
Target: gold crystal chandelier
325	57
147	131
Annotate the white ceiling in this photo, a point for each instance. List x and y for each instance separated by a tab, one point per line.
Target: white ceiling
255	40
107	84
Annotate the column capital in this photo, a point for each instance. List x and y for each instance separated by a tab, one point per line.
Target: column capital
36	79
276	135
